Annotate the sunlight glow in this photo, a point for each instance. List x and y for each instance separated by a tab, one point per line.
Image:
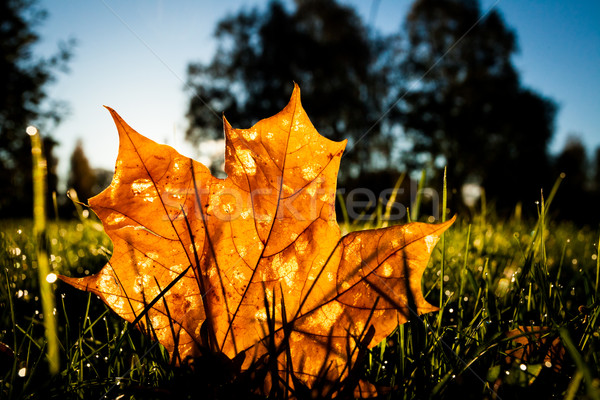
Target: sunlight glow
31	130
523	367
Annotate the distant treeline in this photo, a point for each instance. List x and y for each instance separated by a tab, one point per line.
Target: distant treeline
441	91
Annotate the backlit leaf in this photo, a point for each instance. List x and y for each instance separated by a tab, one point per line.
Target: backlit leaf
268	263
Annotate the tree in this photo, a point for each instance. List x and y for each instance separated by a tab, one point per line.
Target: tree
465	106
574	197
596	171
321	45
23	101
103	179
82	177
572	161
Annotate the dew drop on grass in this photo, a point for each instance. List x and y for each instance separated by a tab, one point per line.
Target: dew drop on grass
523	367
51	277
22	372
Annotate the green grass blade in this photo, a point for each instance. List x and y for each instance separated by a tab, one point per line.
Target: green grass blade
419	197
391	201
582	366
39	230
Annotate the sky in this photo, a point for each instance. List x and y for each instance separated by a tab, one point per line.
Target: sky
133	55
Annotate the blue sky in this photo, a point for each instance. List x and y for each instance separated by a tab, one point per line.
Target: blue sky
132	56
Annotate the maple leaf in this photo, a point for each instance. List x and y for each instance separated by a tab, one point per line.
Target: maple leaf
258	255
532	344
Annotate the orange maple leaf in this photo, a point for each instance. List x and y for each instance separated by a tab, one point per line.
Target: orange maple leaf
533	344
265	255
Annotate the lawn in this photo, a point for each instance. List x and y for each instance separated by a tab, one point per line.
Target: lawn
519	319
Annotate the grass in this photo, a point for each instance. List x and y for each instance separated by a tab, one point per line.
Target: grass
501	276
536	279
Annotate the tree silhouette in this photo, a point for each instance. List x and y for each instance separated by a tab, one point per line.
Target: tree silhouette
82	177
596	171
574	197
465	106
103	179
321	45
595	182
23	101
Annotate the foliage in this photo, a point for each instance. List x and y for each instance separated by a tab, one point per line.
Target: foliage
572	163
82	177
23	102
324	47
444	88
465	105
